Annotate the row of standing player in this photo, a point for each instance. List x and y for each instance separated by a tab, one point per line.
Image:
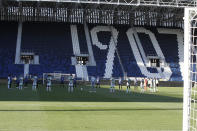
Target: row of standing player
152	83
35	83
144	83
95	82
71	79
20	81
149	84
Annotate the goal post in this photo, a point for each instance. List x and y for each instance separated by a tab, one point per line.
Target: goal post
190	70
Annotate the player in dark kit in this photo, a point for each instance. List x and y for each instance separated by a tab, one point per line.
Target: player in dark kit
98	82
26	81
74	82
62	81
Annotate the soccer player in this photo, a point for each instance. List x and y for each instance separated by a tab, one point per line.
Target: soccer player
74	82
135	84
49	79
154	84
157	84
21	83
145	84
93	83
25	81
128	85
98	82
150	82
62	81
15	80
34	86
70	84
120	83
112	88
142	85
9	81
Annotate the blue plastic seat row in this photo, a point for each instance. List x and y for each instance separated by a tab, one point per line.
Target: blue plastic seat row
53	43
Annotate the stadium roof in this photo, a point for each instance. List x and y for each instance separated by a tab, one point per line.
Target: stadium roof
167	13
159	3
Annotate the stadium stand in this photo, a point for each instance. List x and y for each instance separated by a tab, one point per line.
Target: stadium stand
82	39
168	44
8	35
52	42
147	44
100	53
126	54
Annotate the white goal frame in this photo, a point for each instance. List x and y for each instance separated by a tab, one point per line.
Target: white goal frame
190	75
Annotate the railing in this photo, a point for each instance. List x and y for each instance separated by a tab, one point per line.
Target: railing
168	3
135	16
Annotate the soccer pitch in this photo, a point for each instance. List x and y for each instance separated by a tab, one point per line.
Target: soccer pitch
84	111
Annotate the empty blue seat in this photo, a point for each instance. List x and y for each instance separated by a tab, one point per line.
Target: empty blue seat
52	42
8	36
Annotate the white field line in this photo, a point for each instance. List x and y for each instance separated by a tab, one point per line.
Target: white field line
86	130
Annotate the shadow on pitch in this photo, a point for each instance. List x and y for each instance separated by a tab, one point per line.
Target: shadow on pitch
61	94
137	109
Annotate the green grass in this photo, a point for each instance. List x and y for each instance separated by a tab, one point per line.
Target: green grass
59	111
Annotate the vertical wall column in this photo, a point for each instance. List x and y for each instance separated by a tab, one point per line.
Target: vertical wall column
115	44
90	52
80	69
18	44
140	46
26	69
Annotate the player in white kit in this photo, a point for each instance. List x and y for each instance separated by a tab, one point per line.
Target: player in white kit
112	88
35	80
93	81
128	85
142	85
70	84
9	81
20	83
49	79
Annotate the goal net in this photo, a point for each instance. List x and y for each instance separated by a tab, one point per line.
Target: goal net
190	72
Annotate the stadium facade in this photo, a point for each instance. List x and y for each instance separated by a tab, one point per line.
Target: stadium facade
93	38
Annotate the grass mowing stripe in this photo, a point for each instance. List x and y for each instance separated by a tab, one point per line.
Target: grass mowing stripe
83	111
